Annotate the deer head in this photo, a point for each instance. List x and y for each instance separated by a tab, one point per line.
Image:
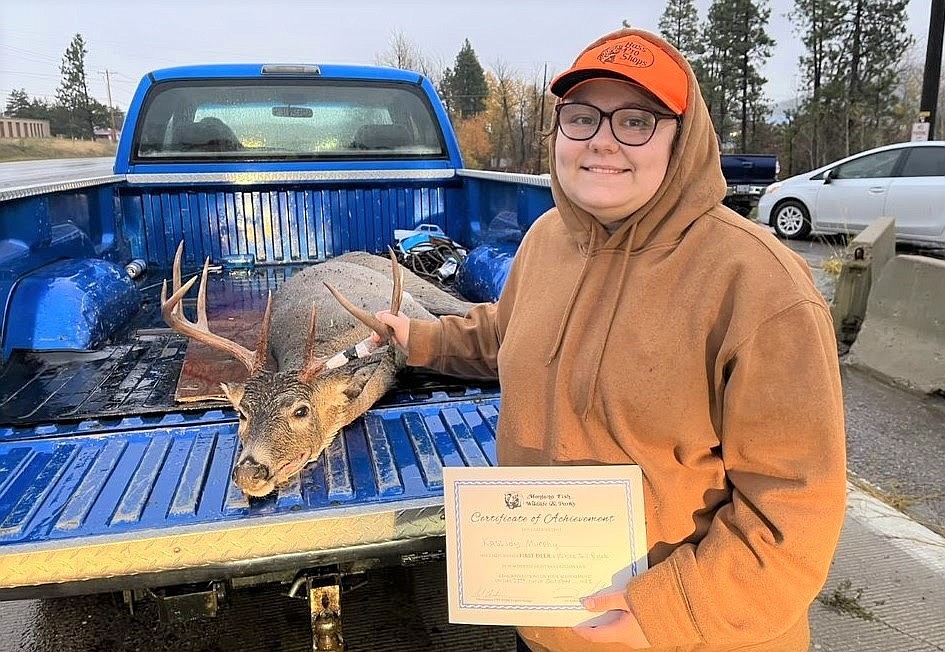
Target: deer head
286	417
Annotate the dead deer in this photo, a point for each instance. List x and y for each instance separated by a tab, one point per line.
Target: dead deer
315	368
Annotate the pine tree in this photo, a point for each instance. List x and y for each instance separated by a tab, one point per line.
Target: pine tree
445	90
737	47
855	49
718	71
679	25
877	39
818	23
467	83
73	92
751	49
18	104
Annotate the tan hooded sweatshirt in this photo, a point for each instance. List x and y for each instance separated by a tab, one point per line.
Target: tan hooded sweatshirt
692	343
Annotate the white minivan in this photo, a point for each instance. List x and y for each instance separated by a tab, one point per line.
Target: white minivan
905	181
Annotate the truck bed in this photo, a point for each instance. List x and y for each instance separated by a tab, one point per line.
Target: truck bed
118	481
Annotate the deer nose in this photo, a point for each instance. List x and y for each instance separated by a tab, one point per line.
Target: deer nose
250	470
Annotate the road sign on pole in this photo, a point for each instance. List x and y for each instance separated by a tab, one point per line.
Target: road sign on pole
920	131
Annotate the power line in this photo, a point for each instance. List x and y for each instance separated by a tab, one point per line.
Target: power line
29	74
36	56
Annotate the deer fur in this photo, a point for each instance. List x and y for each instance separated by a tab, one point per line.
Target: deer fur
285	420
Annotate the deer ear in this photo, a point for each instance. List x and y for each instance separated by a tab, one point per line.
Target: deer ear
357	381
233	392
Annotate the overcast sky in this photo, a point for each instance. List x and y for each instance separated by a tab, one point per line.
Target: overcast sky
130	37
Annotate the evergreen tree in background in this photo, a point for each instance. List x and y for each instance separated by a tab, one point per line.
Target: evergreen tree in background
817	23
73	92
876	38
737	46
751	49
445	90
679	25
718	67
465	84
852	74
74	113
18	104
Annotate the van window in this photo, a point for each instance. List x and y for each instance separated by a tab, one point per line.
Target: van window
260	120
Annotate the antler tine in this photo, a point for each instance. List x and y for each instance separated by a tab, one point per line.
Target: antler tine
312	365
360	314
178	255
367	318
397	274
202	297
174	315
261	356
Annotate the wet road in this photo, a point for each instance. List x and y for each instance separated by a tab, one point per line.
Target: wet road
896	447
17	174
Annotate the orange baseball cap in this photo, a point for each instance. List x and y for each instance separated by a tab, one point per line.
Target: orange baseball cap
636	59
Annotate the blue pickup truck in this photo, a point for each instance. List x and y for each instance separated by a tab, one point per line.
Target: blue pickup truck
109	482
746	177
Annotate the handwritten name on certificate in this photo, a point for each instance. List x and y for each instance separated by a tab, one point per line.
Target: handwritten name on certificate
524	544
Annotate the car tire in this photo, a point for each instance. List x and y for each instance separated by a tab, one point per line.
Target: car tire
791	220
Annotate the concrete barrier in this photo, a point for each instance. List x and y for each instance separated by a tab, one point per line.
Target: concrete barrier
863	259
903	335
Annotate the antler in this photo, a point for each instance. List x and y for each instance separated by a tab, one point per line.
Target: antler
200	330
367	318
312	364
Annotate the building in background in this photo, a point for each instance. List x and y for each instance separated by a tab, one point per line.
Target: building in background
24	128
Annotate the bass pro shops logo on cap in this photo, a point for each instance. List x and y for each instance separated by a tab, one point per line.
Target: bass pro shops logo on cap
630	53
634	58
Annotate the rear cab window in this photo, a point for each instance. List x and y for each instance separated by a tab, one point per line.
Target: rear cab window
279	120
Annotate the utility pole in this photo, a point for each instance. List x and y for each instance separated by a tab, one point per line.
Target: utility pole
111	111
933	67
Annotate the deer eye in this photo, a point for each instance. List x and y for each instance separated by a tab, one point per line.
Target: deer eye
301	412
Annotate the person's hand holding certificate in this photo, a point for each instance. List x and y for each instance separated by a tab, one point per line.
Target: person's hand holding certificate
524	544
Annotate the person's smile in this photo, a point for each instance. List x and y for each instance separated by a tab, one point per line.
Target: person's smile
604	169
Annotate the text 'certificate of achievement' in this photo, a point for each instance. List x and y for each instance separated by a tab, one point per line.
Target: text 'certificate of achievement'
524	544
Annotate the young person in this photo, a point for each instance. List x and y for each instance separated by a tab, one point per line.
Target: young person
644	323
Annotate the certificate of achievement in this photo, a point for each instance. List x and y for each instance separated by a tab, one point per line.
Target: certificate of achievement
524	544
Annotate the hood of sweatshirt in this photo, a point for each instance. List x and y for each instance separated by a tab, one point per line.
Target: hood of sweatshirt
692	185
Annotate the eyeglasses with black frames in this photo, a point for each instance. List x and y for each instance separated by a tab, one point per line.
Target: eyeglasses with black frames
630	126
